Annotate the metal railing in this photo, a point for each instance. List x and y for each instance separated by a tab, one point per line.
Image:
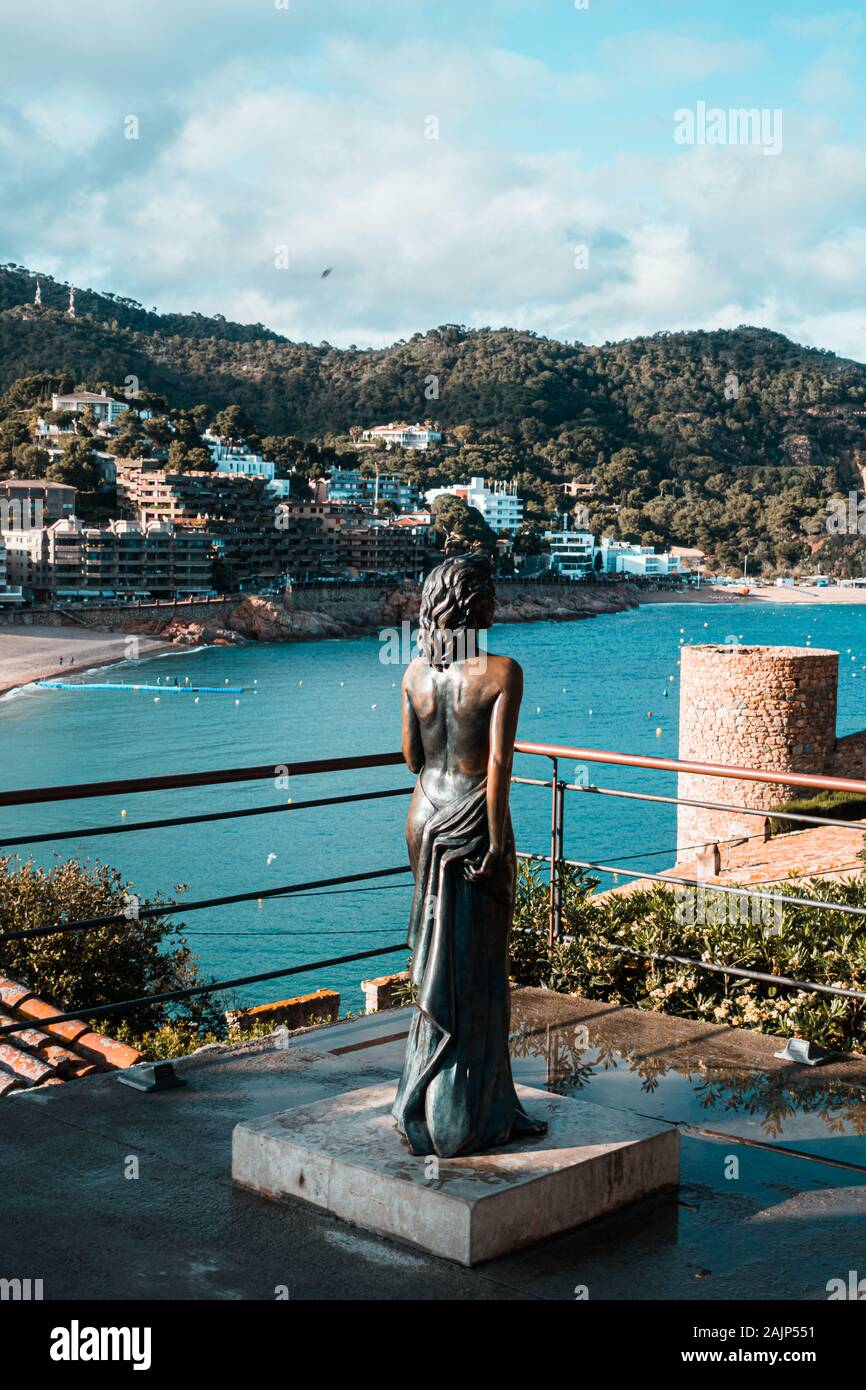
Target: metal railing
554	859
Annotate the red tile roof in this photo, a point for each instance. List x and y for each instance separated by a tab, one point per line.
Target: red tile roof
61	1052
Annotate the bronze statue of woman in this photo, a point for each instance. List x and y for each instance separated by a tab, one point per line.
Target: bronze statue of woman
460	706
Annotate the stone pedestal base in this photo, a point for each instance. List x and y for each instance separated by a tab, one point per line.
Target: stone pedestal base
345	1156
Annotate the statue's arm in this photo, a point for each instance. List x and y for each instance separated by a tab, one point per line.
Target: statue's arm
413	748
503	731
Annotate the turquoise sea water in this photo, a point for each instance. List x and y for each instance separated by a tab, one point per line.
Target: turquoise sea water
588	683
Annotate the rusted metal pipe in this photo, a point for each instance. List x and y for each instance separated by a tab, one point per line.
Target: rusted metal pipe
131	786
741	774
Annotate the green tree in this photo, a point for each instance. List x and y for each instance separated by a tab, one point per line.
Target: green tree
77	466
30	461
452	516
78	970
234	425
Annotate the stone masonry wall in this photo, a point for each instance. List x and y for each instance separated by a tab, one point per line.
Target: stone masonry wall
849	757
770	708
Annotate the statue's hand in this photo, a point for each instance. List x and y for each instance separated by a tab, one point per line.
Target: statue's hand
485	868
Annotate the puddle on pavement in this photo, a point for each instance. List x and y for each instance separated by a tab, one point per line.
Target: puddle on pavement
811	1114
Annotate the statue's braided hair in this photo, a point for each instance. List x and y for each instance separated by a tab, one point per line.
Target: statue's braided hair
455	599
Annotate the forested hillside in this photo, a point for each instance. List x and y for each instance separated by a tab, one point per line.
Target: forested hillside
728	440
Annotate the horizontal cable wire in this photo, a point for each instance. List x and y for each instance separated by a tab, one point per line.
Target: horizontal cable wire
311	931
132	786
709	885
688	849
89	832
740	971
774	813
172	996
164	909
289	933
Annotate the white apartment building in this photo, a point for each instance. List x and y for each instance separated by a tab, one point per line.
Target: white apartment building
105	408
571	553
228	459
621	557
349	486
71	559
9	594
575	555
403	435
649	563
500	505
243	464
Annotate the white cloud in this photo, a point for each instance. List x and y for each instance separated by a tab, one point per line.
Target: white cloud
323	149
653	56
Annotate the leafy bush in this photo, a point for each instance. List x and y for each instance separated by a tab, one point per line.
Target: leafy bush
804	943
79	970
841	805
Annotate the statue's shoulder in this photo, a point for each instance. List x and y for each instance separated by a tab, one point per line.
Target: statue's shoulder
506	671
417	668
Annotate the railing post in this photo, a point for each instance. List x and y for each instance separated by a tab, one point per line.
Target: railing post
556	853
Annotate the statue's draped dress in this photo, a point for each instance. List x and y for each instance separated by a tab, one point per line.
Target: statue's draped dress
456	1093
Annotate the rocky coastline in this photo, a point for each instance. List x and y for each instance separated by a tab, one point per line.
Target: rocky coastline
358	613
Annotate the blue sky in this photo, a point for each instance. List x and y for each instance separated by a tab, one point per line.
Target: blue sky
504	162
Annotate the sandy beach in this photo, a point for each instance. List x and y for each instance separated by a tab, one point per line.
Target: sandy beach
758	593
34	653
29	654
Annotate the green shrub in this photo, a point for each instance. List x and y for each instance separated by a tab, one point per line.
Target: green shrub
804	943
79	970
840	805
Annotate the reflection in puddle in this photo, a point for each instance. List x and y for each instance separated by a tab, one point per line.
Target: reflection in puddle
676	1083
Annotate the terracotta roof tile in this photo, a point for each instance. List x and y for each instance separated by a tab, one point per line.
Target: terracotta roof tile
56	1053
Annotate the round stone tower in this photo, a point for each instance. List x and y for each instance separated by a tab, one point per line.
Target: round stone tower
771	708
